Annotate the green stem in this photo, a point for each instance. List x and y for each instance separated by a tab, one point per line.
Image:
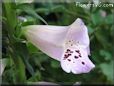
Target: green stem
11	22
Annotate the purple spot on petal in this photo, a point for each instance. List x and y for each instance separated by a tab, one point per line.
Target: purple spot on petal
75	57
68	49
83	63
77	51
80	55
69	60
66	56
71	44
69	54
71	51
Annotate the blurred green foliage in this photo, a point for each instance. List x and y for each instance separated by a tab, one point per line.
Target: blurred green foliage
28	64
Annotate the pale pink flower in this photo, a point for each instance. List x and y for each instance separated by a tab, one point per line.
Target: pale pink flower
67	44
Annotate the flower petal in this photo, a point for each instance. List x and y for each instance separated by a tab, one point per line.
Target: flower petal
75	60
88	50
78	33
48	39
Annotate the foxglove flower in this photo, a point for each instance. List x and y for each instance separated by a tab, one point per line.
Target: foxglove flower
67	44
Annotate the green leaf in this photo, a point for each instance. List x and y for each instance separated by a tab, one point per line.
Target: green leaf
102	37
35	77
32	48
107	69
55	64
24	54
106	54
10	14
18	65
57	8
20	72
29	10
43	10
90	29
42	57
97	18
109	19
112	31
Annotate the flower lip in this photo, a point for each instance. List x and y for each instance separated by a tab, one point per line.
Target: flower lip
77	41
72	62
